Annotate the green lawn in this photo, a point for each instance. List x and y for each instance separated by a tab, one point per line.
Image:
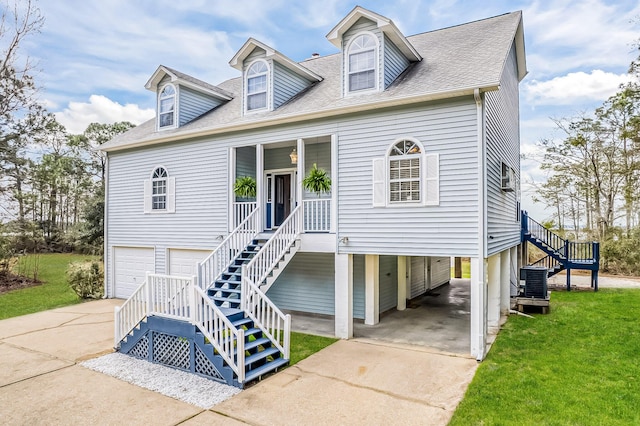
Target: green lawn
578	365
304	345
52	293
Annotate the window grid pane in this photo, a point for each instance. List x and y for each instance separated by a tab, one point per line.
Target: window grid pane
257	101
404	180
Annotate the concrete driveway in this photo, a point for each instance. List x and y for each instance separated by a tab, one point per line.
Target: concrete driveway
355	382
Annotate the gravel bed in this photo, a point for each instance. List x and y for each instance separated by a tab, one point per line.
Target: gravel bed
177	384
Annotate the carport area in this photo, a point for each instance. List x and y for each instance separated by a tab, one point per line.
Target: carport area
439	319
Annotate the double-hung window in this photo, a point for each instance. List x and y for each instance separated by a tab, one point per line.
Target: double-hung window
362	63
257	86
404	172
167	107
159	192
159	189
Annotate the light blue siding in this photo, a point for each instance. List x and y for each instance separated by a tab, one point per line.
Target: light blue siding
278	158
448	229
388	283
358	286
394	62
286	84
307	284
503	145
192	104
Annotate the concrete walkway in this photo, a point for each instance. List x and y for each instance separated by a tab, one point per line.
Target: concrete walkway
355	382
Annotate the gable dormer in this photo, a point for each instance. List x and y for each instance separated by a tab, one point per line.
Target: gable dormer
269	79
374	51
181	98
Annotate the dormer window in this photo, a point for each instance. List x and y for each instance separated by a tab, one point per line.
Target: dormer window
362	63
257	86
167	107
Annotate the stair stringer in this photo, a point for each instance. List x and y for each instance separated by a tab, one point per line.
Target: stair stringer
282	264
130	340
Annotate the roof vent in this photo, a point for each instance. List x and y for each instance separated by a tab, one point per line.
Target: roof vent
315	55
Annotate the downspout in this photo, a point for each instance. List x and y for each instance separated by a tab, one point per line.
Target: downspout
105	219
480	330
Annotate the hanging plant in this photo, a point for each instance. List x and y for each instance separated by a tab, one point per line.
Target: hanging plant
317	180
245	187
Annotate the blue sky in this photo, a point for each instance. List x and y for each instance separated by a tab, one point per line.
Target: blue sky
96	55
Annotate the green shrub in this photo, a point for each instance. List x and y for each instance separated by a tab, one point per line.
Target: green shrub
86	279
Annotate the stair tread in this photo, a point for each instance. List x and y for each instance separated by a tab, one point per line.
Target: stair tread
241	322
224	290
264	369
255	343
261	355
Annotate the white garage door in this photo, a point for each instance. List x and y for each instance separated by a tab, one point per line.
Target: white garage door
184	262
130	266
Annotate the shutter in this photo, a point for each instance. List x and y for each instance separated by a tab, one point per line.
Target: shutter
171	195
379	182
147	196
432	180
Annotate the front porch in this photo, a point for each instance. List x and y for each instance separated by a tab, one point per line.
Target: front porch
278	169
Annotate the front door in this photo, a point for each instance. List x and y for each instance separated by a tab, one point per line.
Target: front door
282	199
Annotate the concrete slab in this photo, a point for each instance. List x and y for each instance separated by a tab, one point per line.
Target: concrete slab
33	322
213	419
408	373
604	280
18	364
78	396
298	398
92	307
69	342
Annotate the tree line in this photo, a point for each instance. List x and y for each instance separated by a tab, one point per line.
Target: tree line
51	181
593	176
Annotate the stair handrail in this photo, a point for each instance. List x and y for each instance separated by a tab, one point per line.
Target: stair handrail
273	323
227	339
547	236
261	265
211	268
130	313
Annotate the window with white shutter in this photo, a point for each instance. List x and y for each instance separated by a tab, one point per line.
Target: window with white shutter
159	192
406	176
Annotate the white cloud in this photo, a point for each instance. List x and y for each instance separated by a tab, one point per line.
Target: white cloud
574	88
100	109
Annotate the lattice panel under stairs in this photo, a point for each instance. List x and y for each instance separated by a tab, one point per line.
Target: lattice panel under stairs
205	367
171	350
141	349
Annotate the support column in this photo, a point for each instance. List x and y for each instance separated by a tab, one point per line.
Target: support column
344	296
372	289
515	273
457	267
300	173
478	307
493	299
505	282
231	213
260	186
402	283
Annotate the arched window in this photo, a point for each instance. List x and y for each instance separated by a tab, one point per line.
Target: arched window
257	85
407	175
159	189
362	63
167	107
405	180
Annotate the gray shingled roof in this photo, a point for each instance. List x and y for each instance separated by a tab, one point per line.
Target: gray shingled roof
198	82
454	59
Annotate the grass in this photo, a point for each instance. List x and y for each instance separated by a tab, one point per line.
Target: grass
54	291
577	365
304	345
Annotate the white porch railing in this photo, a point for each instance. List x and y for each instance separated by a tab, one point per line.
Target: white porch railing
257	306
217	262
242	210
179	297
317	215
272	252
266	315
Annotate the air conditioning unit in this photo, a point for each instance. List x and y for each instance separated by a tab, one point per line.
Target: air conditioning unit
535	282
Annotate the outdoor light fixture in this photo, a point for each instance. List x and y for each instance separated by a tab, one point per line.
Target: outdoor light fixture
294	156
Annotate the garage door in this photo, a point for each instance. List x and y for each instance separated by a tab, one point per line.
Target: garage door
184	262
130	266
